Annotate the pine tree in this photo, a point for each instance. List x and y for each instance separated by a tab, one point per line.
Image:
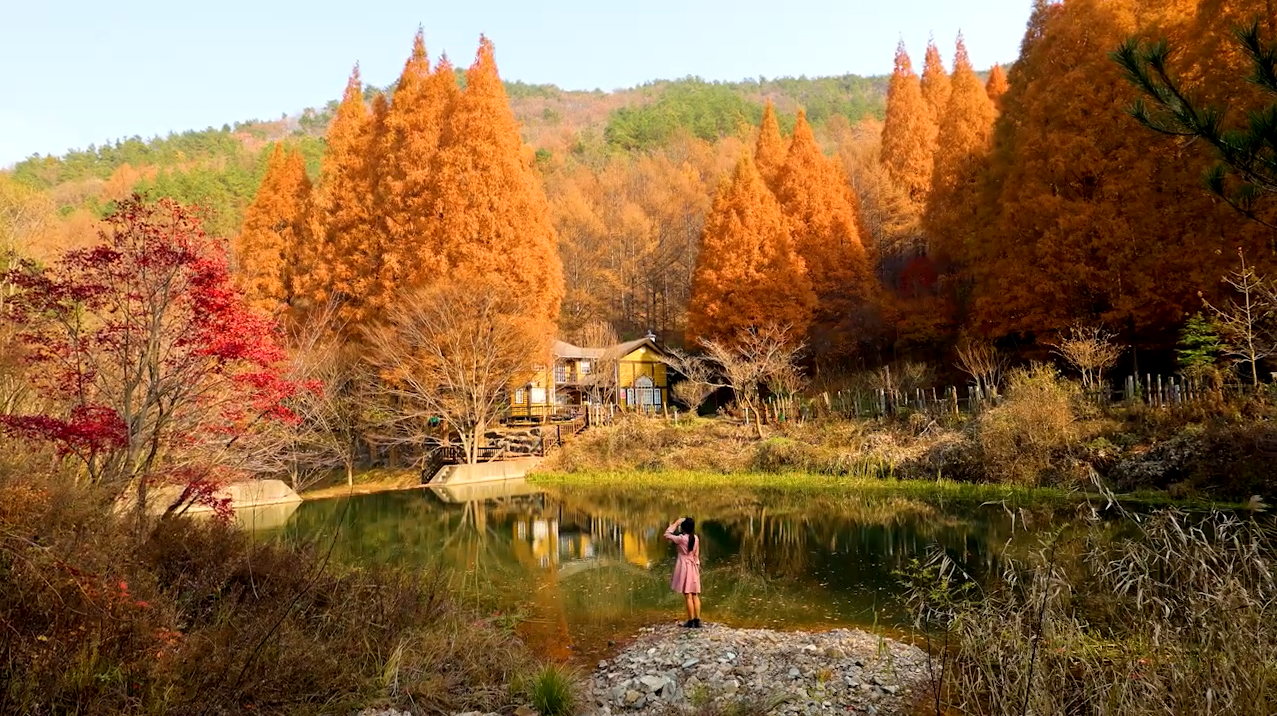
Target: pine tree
996	86
935	83
823	218
491	216
769	153
748	274
962	147
275	232
908	133
341	272
414	125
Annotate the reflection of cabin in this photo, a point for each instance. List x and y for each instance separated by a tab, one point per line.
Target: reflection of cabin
630	376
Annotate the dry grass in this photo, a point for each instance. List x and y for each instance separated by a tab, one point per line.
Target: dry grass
197	618
1175	614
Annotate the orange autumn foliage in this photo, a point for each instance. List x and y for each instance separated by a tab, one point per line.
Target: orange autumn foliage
275	226
348	246
822	215
996	86
1085	215
769	152
935	83
490	215
748	273
963	143
414	125
908	133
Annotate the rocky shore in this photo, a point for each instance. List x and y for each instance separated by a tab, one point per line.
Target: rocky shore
844	671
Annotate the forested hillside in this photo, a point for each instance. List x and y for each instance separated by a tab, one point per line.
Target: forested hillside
988	206
220	168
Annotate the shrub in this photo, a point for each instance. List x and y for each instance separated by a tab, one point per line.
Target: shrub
102	617
1036	424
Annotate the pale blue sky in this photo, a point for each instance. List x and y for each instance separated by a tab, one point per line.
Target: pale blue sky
77	72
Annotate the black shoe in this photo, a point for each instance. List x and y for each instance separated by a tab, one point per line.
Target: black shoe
690	624
695	623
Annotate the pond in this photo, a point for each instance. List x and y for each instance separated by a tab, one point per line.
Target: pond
577	568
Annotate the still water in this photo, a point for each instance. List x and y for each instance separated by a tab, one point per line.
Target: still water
579	567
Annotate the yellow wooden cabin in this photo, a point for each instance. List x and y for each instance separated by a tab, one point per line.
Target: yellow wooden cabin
630	376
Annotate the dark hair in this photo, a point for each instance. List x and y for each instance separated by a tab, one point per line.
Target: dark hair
689	528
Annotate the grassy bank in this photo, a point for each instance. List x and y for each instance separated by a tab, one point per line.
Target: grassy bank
1044	433
695	480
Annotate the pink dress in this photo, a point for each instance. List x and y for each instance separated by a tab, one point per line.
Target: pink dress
687	566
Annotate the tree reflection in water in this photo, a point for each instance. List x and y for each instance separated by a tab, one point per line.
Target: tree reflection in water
587	565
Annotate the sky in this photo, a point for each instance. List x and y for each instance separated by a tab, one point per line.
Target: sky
81	72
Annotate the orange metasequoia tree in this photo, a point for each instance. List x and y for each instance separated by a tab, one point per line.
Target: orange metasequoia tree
414	124
748	274
769	153
996	86
349	242
908	133
275	232
963	145
935	83
490	216
822	215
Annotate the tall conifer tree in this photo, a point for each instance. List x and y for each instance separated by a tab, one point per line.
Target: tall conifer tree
822	215
935	83
996	86
491	216
962	147
769	153
748	274
414	125
345	213
275	232
908	133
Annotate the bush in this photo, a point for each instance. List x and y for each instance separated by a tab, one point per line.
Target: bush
1024	438
195	617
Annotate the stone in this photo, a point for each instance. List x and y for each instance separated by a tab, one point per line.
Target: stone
653	683
602	664
691	662
794	673
810	648
525	711
632	697
834	652
891	689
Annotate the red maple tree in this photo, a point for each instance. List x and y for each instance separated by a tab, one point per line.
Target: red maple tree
150	363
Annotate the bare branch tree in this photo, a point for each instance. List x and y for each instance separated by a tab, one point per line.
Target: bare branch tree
602	378
751	360
698	378
451	352
1247	321
1091	350
982	361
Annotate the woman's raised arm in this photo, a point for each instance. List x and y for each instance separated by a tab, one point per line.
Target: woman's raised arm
669	531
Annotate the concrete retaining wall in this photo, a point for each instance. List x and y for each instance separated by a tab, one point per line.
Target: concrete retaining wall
485	471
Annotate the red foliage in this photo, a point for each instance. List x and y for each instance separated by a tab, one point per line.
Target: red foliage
147	348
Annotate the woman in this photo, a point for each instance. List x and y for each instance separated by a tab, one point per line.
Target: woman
687	567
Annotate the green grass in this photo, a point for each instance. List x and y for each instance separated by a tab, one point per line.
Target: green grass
803	482
798	482
551	692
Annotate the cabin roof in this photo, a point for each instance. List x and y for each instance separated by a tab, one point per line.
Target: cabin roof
563	349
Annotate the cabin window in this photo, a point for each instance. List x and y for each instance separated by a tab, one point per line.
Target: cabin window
518	397
561	373
538	396
585	367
